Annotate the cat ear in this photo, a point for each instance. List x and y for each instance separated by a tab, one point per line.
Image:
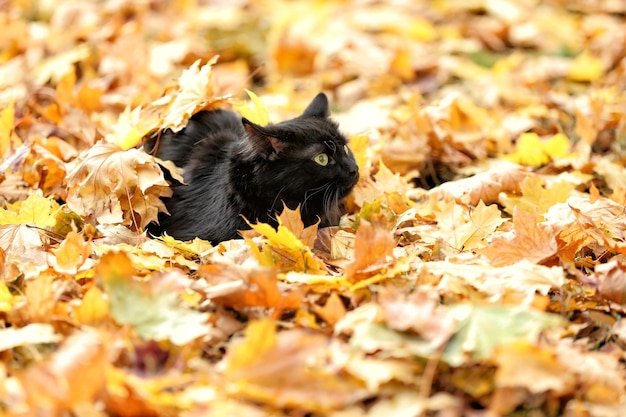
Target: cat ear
318	107
261	139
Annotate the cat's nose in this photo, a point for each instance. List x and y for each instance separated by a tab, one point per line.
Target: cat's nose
353	170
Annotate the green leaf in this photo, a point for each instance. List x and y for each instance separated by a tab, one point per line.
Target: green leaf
482	329
155	314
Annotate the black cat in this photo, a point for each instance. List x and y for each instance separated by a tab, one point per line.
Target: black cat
234	168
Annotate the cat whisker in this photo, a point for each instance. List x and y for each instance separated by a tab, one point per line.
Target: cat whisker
311	192
271	210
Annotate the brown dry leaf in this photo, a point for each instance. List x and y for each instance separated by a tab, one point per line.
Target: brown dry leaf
529	240
112	186
373	246
292	220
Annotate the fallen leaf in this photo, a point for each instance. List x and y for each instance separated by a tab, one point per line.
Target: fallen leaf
529	240
373	245
114	186
255	111
154	313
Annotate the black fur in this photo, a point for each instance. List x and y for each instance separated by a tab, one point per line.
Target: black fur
234	168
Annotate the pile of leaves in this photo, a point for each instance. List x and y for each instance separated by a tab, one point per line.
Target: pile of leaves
479	270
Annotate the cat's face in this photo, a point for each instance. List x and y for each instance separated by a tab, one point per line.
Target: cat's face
304	161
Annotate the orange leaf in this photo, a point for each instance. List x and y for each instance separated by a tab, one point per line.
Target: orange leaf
72	253
333	310
529	240
71	376
374	243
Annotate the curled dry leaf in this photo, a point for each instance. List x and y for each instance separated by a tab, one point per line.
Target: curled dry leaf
112	186
485	186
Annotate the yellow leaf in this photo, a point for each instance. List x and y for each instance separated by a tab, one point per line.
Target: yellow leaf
194	247
7	121
532	151
129	129
6	298
586	67
35	210
533	368
260	338
536	198
528	151
255	111
93	308
284	249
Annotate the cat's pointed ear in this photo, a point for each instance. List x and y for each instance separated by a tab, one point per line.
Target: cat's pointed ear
318	107
261	139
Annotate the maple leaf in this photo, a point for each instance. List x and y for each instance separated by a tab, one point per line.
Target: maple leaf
195	92
535	369
465	229
384	187
529	240
93	309
34	333
7	125
130	128
114	186
283	248
23	248
535	198
585	67
523	277
35	210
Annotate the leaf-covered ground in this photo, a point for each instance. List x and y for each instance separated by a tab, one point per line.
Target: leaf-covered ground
480	269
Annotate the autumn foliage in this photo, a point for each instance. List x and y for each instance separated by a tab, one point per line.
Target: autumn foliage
480	267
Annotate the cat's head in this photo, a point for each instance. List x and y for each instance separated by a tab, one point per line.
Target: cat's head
305	160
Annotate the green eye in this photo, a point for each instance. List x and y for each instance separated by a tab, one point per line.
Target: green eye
321	159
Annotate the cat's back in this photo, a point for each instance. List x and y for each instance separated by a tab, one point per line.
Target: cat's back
206	137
